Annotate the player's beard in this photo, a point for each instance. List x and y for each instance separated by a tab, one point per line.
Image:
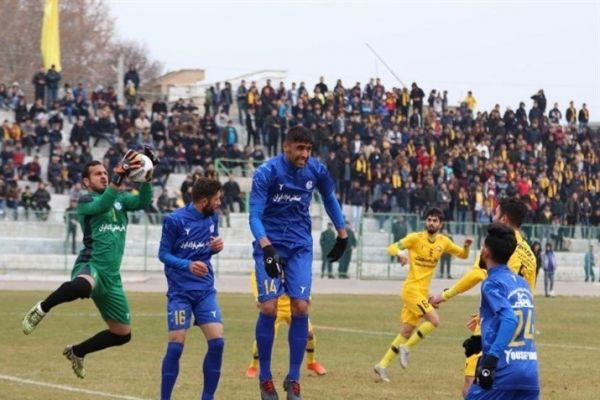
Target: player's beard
208	210
431	231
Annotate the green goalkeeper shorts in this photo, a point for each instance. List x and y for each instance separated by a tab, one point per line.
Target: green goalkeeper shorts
108	294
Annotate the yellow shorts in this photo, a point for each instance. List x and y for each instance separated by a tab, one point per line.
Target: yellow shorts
415	306
471	365
284	312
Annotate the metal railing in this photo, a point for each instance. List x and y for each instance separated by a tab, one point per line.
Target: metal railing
45	239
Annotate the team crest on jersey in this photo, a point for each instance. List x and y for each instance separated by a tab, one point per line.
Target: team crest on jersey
118	205
212	228
439	248
309	185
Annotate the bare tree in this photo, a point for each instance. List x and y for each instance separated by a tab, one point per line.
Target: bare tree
89	46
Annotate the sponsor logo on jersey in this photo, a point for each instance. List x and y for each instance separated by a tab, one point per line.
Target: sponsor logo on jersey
512	355
194	245
280	187
522	298
187	231
286	198
111	228
118	205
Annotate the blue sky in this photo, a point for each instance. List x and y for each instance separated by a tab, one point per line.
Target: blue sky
503	50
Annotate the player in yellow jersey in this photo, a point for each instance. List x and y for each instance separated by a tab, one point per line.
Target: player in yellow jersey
284	315
523	262
423	251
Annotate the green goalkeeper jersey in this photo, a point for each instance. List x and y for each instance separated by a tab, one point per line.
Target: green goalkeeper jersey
103	220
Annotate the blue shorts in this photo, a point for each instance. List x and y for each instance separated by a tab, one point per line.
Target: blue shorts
477	393
297	274
202	304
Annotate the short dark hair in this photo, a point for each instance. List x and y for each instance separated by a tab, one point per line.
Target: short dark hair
435	212
501	242
514	209
87	167
299	134
205	188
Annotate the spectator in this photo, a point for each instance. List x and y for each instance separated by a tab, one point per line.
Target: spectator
589	262
132	76
3	193
356	198
549	270
53	78
232	194
41	199
344	262
446	260
242	104
583	117
39	84
327	241
536	248
70	218
382	206
27	201
470	101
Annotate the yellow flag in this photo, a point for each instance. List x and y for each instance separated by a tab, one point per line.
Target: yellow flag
50	43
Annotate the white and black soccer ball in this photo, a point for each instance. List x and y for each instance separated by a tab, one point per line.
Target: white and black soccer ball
145	172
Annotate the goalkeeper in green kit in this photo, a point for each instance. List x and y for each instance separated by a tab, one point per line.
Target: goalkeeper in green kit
102	214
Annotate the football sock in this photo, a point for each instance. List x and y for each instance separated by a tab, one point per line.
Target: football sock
311	347
422	331
254	362
78	288
297	338
392	352
212	367
265	333
170	369
100	341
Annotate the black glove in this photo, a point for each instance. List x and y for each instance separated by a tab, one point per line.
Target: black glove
338	249
486	371
127	164
472	345
273	264
150	153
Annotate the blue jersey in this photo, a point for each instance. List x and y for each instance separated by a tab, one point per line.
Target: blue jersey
280	201
507	329
186	236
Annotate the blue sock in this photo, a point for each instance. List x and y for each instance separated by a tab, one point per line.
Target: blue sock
297	338
170	369
265	334
212	367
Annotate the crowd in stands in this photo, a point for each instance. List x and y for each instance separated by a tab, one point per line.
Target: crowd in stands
388	149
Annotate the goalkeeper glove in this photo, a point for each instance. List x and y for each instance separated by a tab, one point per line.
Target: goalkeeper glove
127	164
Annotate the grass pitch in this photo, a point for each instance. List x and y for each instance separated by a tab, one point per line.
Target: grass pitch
352	334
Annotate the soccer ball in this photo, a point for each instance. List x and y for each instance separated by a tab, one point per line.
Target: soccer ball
144	173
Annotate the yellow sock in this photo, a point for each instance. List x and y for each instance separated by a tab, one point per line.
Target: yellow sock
311	347
254	362
420	333
392	352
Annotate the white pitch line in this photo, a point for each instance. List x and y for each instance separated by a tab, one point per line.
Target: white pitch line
390	334
68	388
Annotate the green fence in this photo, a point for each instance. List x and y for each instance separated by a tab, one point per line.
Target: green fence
45	241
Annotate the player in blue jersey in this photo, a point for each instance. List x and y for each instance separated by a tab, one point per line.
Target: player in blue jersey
508	368
190	236
282	189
